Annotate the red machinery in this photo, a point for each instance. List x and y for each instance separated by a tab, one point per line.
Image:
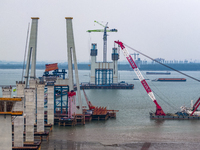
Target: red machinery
196	105
159	110
91	107
50	67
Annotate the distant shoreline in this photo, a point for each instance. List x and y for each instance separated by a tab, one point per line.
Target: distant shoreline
153	67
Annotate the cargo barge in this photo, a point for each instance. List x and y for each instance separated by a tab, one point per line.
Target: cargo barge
177	116
121	85
158	73
170	79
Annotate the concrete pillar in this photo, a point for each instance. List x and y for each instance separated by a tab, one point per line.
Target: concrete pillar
6	132
32	49
93	55
19	120
6	123
32	85
71	49
50	104
30	119
70	44
6	92
115	72
115	57
40	107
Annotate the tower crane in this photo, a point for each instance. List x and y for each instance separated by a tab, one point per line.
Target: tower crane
105	30
159	110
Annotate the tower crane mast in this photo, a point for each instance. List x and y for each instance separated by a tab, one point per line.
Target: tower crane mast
159	110
104	38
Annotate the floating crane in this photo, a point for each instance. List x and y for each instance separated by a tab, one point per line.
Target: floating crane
159	111
105	30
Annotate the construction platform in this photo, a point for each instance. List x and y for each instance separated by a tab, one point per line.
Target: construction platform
48	127
79	119
39	135
28	146
99	113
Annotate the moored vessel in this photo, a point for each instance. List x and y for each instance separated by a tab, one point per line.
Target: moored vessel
158	73
170	79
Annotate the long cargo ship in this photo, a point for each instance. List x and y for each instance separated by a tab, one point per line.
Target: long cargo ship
170	79
158	73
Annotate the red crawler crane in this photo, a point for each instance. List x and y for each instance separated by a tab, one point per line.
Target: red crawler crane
159	110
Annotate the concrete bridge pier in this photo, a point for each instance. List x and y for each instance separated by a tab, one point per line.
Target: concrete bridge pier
50	103
6	123
19	120
33	85
30	118
40	107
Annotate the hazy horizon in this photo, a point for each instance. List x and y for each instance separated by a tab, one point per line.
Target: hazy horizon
159	29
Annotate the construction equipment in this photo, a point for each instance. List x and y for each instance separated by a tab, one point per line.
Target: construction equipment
104	38
196	105
91	107
50	67
159	111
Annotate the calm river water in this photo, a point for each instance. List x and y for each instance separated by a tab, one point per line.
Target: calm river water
132	129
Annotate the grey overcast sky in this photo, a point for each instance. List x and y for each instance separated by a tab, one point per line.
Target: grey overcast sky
167	29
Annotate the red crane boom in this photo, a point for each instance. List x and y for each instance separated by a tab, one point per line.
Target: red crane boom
88	102
159	110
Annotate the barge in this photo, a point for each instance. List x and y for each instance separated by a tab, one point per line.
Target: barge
176	116
121	85
170	79
158	73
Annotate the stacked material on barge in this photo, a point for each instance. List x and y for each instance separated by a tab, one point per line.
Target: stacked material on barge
170	79
158	73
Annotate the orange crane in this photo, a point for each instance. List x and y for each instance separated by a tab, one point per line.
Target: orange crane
91	107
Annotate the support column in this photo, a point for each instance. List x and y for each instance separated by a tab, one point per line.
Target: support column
19	120
50	103
30	119
71	49
32	50
40	107
115	57
6	132
6	92
32	85
70	44
93	55
6	123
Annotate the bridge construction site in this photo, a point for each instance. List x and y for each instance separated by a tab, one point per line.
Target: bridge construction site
28	118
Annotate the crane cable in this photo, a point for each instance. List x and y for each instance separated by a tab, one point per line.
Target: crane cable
25	51
162	64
